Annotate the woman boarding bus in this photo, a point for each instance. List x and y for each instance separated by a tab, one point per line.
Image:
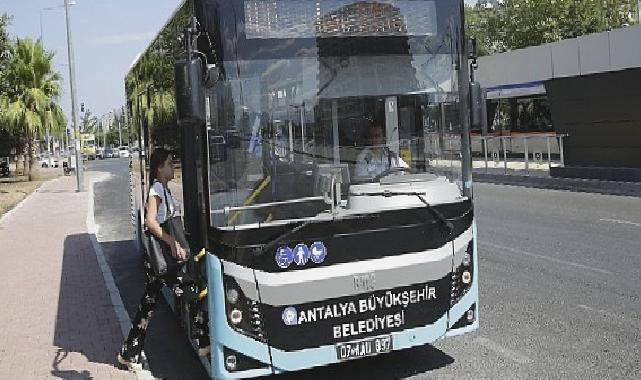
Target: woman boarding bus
308	256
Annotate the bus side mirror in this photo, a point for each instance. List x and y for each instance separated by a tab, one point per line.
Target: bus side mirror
190	95
472	49
476	105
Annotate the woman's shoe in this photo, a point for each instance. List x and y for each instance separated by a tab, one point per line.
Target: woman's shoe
129	364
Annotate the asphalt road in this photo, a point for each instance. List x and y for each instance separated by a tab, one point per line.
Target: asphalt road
559	287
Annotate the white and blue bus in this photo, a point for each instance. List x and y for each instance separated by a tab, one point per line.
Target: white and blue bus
325	172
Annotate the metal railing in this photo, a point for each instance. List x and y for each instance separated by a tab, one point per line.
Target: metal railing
518	154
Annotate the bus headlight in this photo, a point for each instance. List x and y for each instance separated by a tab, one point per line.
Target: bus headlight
243	314
230	362
466	277
463	274
470	315
235	361
236	316
232	295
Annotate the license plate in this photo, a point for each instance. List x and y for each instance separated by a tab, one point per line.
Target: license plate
365	347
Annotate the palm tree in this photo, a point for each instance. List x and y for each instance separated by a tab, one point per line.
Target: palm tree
33	94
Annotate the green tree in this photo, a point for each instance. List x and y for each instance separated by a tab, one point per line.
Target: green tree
516	24
112	137
89	122
32	95
5	53
5	50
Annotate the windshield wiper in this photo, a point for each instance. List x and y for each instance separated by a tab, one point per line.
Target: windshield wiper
271	245
447	225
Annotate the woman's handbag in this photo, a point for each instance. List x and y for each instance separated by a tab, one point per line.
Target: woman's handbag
158	252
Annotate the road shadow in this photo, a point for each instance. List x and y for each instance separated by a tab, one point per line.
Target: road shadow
395	365
86	324
167	348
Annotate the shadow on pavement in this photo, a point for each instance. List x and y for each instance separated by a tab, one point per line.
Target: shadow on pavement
86	325
168	350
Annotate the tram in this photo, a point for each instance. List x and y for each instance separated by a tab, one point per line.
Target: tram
325	174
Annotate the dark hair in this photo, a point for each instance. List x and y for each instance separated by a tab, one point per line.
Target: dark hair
157	159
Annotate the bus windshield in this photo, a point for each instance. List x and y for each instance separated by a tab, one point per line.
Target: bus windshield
352	99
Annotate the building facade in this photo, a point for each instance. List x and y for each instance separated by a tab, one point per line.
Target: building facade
587	87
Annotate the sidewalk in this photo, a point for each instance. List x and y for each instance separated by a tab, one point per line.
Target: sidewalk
542	180
57	318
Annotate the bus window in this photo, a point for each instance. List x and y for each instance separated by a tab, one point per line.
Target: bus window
290	117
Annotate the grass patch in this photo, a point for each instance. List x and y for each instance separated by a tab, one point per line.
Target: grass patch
12	193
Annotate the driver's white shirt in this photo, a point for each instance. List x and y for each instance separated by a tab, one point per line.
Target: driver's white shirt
371	163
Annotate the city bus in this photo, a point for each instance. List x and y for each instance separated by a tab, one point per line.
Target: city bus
88	145
324	170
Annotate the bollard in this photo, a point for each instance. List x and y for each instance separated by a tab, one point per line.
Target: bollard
504	154
547	138
561	151
527	158
537	157
484	140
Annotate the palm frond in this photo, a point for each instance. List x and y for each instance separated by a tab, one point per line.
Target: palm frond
35	89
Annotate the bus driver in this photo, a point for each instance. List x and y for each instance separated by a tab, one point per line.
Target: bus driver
377	158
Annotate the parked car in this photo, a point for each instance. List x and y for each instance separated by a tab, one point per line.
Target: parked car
4	169
123	152
47	161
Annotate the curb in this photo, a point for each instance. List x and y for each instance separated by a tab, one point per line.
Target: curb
571	184
92	228
116	300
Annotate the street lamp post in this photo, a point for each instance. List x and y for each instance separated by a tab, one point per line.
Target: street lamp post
41	11
72	2
72	85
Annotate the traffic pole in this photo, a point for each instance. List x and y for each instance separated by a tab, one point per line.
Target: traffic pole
74	116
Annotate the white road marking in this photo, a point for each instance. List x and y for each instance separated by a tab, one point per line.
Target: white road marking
600	311
548	258
619	221
513	355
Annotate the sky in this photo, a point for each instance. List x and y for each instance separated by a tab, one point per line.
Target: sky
107	36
